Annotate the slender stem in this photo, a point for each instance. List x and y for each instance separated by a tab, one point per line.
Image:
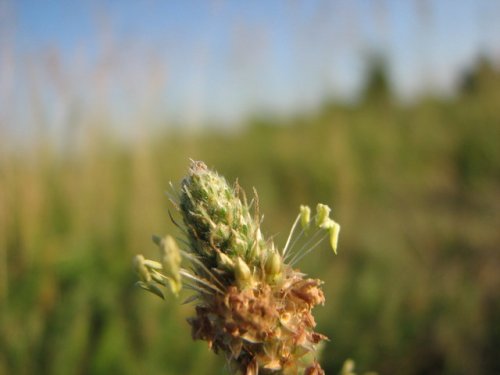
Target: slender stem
185	273
299	257
291	233
313	237
198	262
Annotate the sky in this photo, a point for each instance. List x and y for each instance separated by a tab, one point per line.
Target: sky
198	61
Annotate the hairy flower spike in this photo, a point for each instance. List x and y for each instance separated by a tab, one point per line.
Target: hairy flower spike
251	304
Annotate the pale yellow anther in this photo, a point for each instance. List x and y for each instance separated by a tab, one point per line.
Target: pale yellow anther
305	216
322	214
334	236
151	264
171	262
240	245
175	286
170	254
141	269
327	224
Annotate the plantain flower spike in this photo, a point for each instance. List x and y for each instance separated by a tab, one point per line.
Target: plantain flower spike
251	304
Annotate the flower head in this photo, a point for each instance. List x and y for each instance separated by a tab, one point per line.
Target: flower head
251	304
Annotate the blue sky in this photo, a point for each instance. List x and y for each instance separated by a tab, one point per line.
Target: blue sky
223	59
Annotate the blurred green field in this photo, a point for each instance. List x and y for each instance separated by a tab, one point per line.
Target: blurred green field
414	289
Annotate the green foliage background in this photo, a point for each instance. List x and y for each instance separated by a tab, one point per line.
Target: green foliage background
414	289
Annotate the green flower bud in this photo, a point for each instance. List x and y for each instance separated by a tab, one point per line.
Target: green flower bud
242	273
254	252
222	232
224	261
273	265
239	244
